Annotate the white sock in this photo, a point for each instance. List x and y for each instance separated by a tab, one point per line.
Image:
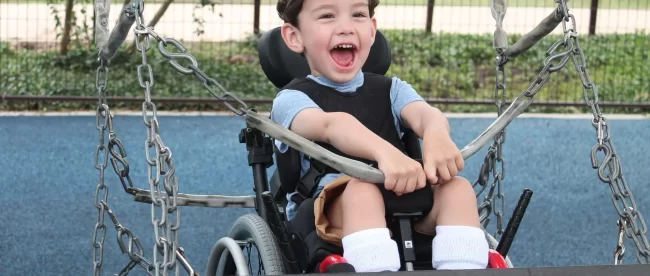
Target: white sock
459	247
371	250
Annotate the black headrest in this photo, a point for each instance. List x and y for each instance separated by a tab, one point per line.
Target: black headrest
281	65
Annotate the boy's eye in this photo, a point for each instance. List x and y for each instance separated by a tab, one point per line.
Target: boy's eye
327	15
359	14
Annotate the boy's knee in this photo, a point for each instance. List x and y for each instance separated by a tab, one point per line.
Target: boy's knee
457	187
358	192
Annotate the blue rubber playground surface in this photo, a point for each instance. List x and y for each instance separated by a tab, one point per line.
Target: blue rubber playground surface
48	180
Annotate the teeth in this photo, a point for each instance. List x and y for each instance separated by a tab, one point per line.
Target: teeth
345	46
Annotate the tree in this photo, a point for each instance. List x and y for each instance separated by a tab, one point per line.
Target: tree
65	40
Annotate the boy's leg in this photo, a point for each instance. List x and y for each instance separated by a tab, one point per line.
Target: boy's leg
367	244
459	241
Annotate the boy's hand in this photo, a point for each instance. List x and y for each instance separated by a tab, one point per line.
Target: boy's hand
402	174
441	157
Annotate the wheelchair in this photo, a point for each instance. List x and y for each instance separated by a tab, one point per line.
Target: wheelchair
293	247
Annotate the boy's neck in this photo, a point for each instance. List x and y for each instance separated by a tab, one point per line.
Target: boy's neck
358	78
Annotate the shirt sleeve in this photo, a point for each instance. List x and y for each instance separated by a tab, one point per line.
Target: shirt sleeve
286	105
401	95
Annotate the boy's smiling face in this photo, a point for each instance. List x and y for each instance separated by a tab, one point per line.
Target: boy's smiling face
334	35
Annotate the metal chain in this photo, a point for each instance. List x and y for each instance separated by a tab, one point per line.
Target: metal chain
208	82
160	162
166	227
498	171
609	170
174	57
619	252
493	158
631	221
132	244
558	56
101	192
104	121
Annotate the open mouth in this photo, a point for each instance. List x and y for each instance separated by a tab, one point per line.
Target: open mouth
344	55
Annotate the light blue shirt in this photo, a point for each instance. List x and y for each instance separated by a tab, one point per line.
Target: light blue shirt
289	102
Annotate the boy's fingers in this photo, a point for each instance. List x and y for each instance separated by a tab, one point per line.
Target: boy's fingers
400	185
389	183
460	162
422	179
430	173
453	171
411	183
444	173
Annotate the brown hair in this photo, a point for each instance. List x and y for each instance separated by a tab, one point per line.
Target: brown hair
288	10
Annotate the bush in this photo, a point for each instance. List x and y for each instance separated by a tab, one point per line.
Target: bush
447	66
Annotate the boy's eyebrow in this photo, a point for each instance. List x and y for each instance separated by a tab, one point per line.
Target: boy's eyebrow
322	7
331	6
360	4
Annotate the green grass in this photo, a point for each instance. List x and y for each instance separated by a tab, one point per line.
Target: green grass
605	4
447	66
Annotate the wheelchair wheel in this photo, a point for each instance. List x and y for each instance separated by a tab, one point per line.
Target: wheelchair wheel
251	231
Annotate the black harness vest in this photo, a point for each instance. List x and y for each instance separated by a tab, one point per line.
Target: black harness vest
370	104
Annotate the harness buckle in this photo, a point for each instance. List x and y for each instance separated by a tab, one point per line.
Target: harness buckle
308	182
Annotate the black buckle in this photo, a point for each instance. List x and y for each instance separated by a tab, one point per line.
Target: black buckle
297	198
309	181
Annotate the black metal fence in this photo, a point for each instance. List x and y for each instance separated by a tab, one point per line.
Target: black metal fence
443	48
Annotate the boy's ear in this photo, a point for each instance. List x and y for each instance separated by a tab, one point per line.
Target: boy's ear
374	29
291	37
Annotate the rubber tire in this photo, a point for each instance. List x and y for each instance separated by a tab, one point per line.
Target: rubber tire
252	226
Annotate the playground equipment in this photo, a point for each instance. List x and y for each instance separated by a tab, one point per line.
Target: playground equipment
266	229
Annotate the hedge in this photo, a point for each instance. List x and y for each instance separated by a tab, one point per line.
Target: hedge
450	66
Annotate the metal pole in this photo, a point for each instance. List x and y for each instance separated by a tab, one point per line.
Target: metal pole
592	19
256	17
430	4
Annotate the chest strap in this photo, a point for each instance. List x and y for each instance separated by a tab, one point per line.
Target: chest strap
309	182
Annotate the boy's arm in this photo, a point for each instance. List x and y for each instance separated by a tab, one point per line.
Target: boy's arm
425	119
342	131
441	156
415	113
346	133
297	112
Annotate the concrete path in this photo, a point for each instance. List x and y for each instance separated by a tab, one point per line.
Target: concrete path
233	22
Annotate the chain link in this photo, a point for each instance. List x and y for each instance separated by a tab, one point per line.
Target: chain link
631	222
161	165
133	248
101	191
498	171
209	83
494	163
619	252
174	57
609	170
159	159
104	121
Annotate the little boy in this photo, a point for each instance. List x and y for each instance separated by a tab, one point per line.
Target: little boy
361	116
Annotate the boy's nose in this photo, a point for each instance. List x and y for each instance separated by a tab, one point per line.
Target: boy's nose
344	29
344	26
